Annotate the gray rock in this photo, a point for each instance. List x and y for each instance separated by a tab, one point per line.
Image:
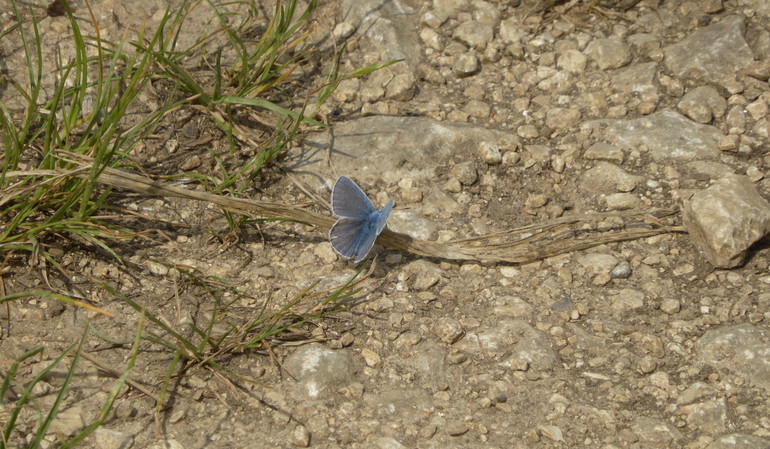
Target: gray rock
726	219
670	306
406	405
455	428
438	203
572	61
739	440
388	443
696	391
478	109
69	422
712	169
490	153
736	119
603	151
401	87
562	118
757	109
708	416
511	32
607	178
321	370
474	34
730	142
759	6
343	30
412	222
656	431
643	43
465	65
536	201
638	80
527	132
423	274
391	25
622	270
597	263
432	39
714	53
486	13
170	443
551	432
300	437
465	172
703	104
626	300
434	18
622	201
743	349
539	153
112	439
558	82
667	134
514	308
525	344
359	146
609	53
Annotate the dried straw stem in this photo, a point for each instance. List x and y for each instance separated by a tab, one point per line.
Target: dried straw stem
527	244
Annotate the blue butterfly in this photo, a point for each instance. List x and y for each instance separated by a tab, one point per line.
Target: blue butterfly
353	235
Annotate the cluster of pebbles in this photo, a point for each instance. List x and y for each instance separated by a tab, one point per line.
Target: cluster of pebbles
526	115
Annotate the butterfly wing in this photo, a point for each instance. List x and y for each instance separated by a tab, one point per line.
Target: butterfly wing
382	216
353	238
348	200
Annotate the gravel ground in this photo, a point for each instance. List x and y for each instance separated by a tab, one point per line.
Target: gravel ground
501	114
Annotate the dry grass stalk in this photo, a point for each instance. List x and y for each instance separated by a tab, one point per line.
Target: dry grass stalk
526	244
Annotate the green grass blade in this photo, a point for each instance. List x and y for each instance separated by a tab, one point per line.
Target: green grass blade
27	393
54	410
114	391
264	104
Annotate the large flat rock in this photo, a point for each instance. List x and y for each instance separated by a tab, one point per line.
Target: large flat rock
666	134
390	148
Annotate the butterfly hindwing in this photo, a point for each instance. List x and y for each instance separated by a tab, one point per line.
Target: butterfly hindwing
348	200
353	238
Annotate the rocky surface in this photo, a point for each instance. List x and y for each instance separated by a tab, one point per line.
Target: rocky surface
503	114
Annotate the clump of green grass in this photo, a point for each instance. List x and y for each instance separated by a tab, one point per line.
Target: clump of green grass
15	397
48	195
89	118
85	119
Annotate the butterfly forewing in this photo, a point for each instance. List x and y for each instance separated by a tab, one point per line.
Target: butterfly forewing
348	200
382	216
353	238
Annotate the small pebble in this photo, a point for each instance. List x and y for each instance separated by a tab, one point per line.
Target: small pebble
300	437
456	428
466	173
551	432
670	306
621	271
448	330
490	153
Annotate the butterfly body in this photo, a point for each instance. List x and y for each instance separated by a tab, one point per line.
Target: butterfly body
359	224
